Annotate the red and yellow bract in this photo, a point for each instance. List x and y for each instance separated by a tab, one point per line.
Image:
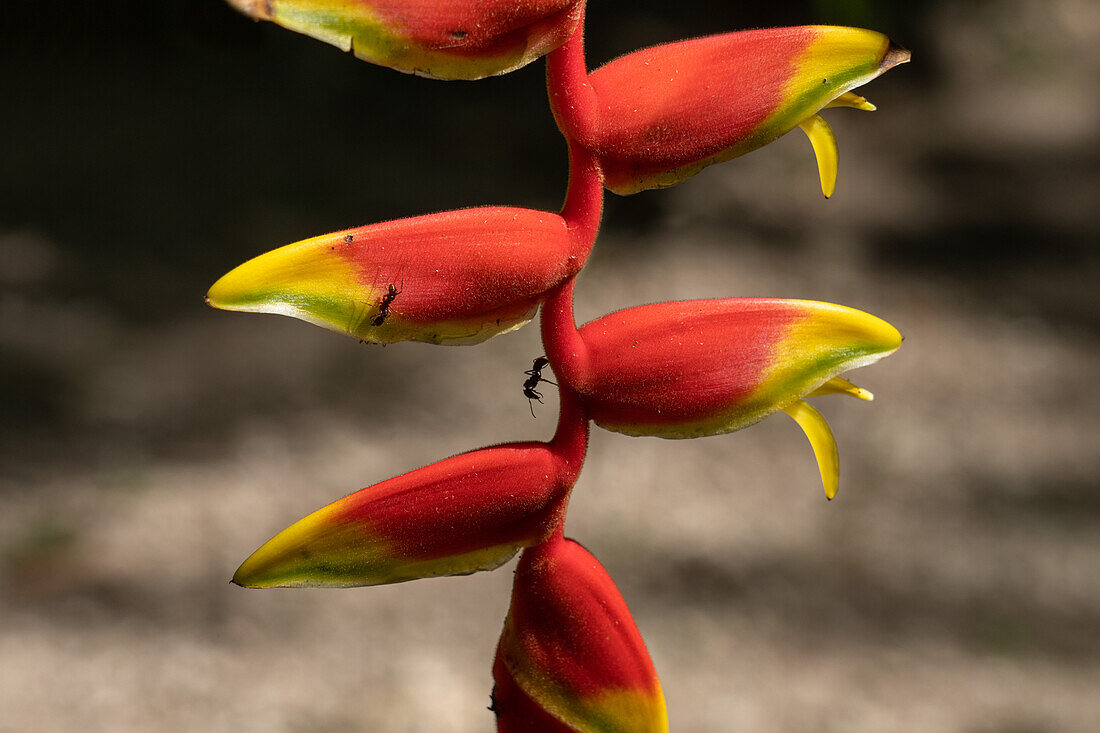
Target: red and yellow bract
703	367
460	277
655	117
696	368
443	39
570	650
467	513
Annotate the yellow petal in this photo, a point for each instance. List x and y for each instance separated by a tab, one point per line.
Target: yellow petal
853	100
824	142
821	440
840	385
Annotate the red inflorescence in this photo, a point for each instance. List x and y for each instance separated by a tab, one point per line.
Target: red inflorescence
570	657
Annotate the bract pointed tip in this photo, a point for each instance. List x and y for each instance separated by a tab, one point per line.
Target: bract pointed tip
895	55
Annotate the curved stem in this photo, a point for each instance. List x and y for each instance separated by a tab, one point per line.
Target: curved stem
570	441
558	535
583	205
573	102
572	99
542	550
564	346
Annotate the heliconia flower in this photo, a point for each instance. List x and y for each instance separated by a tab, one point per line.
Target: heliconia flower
655	117
570	657
470	512
443	39
458	277
704	367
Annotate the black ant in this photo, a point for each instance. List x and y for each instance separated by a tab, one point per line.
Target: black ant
493	702
534	376
384	305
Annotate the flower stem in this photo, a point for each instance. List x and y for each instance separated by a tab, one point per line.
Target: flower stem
573	102
570	441
572	98
583	205
564	346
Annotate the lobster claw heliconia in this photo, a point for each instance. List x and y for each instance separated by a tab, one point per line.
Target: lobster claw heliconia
457	277
471	512
664	113
442	39
570	657
695	368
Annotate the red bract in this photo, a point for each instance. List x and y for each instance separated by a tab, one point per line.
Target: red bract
570	652
516	711
458	277
710	366
696	368
467	513
655	117
444	39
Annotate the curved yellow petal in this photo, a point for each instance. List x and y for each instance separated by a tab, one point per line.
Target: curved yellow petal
821	440
840	385
824	142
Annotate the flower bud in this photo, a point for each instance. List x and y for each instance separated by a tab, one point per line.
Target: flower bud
443	39
570	656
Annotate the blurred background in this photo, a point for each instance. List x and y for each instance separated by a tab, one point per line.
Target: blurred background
148	443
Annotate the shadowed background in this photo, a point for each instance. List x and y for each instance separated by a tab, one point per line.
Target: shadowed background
148	444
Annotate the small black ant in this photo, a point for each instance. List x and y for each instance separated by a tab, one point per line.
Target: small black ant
534	376
384	305
493	702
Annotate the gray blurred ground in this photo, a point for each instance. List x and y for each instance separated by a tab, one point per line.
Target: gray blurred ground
149	444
